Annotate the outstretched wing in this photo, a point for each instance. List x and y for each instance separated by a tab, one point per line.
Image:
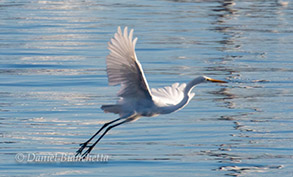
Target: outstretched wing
170	95
123	67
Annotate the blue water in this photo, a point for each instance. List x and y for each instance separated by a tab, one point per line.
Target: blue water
53	82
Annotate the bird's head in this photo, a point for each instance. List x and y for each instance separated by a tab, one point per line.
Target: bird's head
199	80
208	79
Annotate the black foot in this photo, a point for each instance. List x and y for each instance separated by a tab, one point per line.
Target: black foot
82	146
86	153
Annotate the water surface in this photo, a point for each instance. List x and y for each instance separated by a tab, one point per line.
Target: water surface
53	82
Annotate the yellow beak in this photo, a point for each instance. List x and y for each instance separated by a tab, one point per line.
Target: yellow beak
215	80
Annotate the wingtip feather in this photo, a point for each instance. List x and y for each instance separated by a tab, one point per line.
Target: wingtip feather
119	30
125	33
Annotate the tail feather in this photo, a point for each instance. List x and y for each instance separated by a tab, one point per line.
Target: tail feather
116	109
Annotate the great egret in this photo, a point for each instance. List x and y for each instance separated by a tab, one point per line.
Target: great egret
136	98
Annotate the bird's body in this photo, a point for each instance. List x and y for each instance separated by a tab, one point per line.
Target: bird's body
136	98
163	101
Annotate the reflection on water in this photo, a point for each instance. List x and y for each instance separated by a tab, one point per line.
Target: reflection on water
53	81
249	96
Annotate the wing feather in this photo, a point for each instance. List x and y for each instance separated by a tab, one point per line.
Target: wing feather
124	69
170	95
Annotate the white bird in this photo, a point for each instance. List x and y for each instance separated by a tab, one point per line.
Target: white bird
136	98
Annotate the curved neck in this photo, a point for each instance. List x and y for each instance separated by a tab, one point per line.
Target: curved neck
187	96
192	84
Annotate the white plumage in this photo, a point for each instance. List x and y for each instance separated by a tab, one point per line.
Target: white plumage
136	98
124	68
169	95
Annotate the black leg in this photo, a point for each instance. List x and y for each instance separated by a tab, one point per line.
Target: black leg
83	145
109	128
